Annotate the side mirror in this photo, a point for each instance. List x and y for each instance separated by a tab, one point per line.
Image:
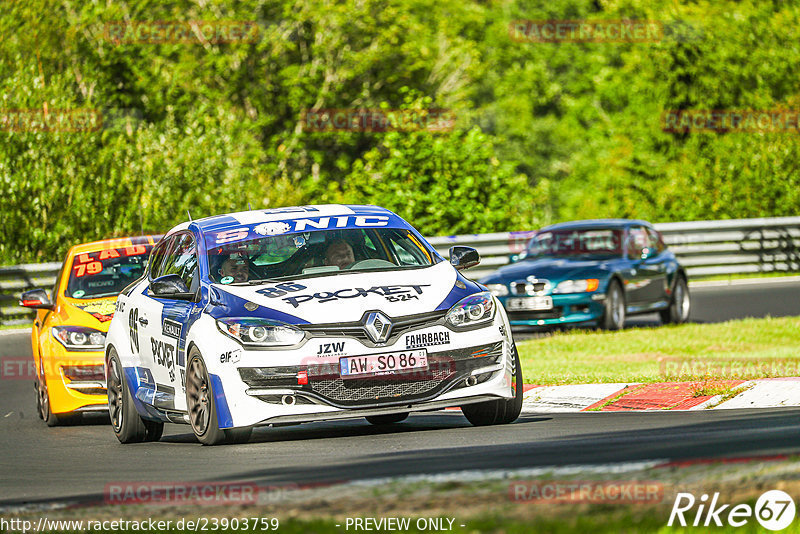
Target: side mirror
36	299
514	258
464	257
171	286
648	253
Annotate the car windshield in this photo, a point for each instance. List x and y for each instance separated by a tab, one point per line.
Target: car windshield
317	253
106	273
591	243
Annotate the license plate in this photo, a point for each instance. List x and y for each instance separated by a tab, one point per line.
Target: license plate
382	364
530	303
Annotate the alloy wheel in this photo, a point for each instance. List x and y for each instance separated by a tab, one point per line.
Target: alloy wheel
115	397
197	394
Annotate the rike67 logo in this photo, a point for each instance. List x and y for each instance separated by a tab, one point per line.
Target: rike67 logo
774	510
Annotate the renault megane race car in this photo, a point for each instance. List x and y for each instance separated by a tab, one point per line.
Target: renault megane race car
304	314
69	330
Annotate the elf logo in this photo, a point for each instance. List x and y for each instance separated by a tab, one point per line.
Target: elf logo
330	348
232	356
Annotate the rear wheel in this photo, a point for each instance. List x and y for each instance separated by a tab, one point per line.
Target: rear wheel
128	426
680	305
501	411
387	419
200	402
614	314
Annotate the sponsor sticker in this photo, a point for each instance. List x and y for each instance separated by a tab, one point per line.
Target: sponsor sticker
103	310
171	328
231	356
331	349
396	293
427	339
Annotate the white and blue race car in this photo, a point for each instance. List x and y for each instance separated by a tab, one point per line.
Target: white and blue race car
304	314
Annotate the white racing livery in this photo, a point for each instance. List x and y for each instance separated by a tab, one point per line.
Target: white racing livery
304	314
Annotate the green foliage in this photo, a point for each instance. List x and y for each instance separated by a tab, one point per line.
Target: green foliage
544	131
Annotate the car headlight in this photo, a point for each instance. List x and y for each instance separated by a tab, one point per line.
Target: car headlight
577	286
472	310
255	332
79	338
498	290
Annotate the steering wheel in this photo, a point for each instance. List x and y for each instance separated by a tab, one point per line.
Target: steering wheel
372	263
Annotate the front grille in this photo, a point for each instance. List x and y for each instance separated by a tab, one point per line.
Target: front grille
531	287
355	329
379	388
84	373
445	369
555	313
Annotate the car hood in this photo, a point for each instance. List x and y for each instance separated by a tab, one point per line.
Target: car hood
343	297
553	269
96	313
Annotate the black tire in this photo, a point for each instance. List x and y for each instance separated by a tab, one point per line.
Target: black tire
614	314
126	422
388	419
200	402
680	305
43	404
499	412
238	435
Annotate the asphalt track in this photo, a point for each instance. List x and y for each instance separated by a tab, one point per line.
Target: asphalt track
74	463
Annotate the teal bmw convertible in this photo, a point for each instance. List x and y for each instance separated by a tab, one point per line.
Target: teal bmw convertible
596	271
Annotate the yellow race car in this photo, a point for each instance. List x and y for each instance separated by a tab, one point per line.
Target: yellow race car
70	327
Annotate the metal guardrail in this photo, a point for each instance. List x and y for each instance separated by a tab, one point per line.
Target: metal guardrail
736	246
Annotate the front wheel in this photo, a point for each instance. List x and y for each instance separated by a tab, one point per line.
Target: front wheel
498	412
614	313
202	408
43	406
680	305
126	422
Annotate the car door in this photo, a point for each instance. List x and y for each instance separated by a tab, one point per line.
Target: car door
638	277
168	321
655	265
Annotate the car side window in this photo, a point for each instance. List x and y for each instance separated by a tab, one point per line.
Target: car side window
637	242
182	260
157	258
655	241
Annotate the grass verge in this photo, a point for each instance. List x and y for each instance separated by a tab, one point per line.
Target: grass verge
741	349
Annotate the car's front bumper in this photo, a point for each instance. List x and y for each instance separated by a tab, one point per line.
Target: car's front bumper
567	308
263	386
75	381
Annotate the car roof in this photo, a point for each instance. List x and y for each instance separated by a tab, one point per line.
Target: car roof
230	220
117	242
597	223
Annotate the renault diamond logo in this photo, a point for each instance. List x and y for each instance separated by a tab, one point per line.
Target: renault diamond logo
378	327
